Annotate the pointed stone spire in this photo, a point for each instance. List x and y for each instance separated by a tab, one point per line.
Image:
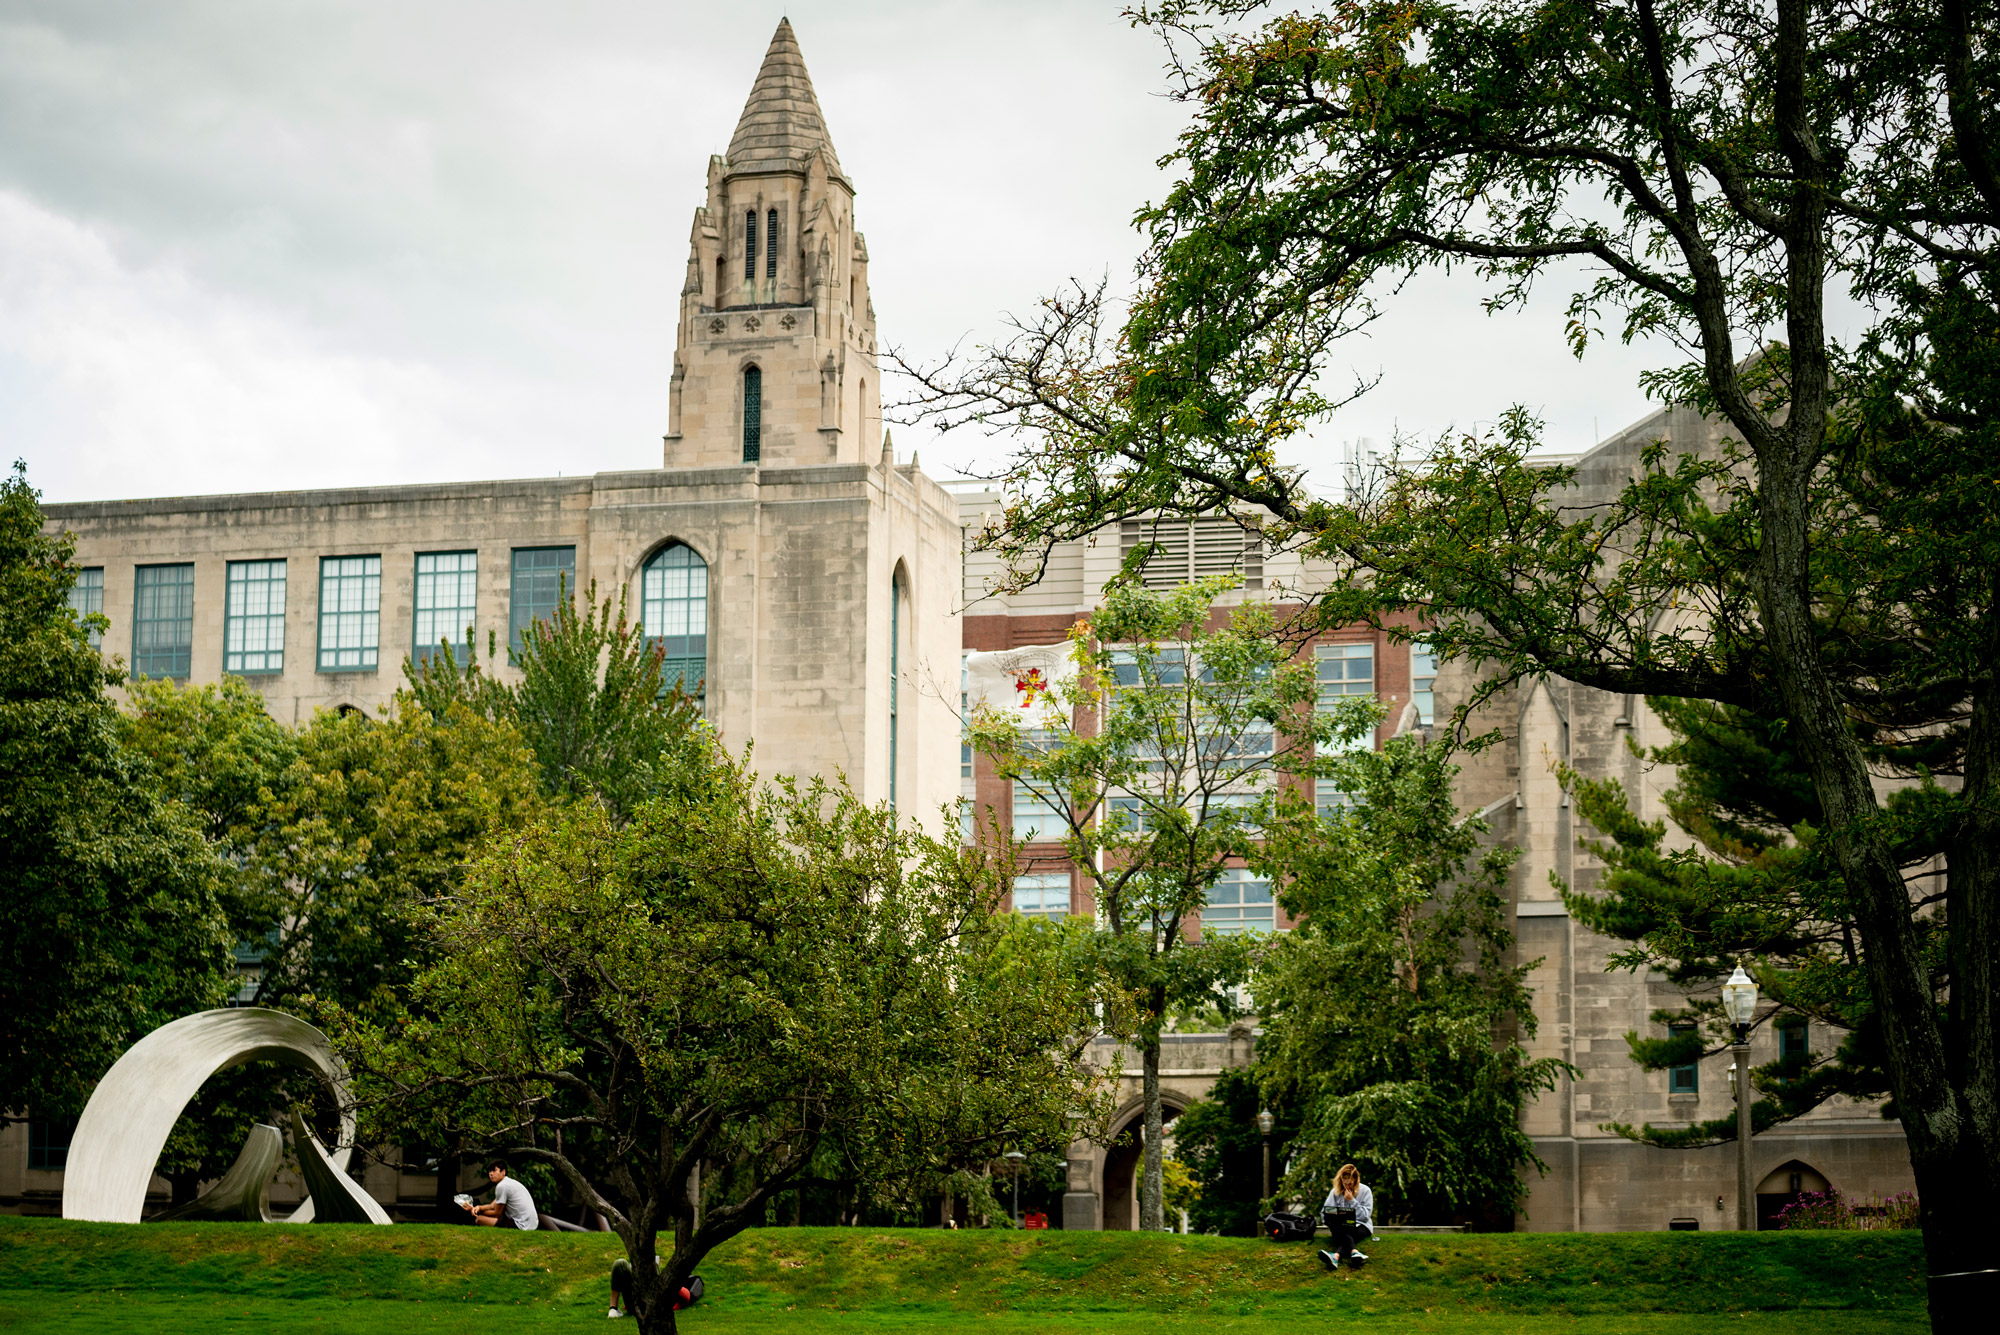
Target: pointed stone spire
781	125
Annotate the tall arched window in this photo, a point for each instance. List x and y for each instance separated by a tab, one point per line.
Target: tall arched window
753	414
895	679
771	244
673	609
750	245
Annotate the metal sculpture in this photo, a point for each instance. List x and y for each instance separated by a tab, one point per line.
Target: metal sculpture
124	1126
338	1198
244	1193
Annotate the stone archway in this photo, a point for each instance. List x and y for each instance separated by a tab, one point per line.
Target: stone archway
1121	1163
1785	1184
134	1107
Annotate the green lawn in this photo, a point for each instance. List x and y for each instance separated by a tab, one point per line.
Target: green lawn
183	1278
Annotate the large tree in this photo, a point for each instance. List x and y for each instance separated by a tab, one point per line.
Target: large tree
1710	172
111	921
1179	737
1394	1019
677	1013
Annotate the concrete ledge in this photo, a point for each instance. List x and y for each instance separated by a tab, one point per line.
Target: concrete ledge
1382	1230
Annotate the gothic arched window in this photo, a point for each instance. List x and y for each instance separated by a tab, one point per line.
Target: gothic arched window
753	414
750	245
771	244
895	680
673	609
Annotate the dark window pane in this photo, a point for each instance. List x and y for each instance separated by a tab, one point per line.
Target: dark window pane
48	1141
753	415
1683	1079
542	575
162	620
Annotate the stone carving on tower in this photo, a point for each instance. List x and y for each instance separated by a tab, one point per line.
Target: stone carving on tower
775	362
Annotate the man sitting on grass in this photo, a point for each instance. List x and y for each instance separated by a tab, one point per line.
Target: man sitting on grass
511	1201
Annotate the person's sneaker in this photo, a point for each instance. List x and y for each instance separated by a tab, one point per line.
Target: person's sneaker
1330	1261
1357	1259
614	1313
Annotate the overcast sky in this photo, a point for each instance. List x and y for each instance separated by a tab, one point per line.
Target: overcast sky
295	243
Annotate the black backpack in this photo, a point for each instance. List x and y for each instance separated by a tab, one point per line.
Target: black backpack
1284	1226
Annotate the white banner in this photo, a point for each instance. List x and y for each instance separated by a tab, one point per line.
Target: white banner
1018	682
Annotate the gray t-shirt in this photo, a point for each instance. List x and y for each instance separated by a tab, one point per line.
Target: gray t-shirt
517	1207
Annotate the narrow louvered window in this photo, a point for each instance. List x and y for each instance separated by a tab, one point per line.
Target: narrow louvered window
771	244
750	245
753	414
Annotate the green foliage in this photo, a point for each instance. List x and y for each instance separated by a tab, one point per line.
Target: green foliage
727	983
1180	1192
1218	1138
1393	1019
1759	884
335	838
1165	757
590	701
111	920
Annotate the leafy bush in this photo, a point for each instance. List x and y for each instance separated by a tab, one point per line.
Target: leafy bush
1831	1210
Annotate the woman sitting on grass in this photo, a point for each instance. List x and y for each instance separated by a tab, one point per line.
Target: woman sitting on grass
1349	1213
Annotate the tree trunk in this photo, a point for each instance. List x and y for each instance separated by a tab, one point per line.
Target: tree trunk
1943	1080
1152	1178
1961	1237
447	1184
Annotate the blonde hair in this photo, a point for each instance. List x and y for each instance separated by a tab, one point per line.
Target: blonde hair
1348	1181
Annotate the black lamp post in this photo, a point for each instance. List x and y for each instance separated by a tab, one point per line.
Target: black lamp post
1739	1003
1264	1124
1016	1158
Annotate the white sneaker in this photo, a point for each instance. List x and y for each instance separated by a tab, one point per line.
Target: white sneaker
614	1313
1357	1259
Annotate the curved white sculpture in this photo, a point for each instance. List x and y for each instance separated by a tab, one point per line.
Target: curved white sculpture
244	1192
336	1197
126	1123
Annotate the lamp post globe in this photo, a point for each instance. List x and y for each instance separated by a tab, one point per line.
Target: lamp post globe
1739	1001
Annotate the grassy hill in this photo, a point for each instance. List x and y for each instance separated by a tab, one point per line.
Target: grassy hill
61	1276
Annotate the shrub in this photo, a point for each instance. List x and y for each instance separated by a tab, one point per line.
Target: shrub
1830	1210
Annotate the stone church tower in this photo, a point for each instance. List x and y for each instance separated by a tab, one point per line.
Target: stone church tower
775	361
796	577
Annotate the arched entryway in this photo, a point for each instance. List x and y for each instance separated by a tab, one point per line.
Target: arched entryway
1785	1184
1121	1165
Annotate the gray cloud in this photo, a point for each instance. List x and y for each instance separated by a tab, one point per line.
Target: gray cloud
300	243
